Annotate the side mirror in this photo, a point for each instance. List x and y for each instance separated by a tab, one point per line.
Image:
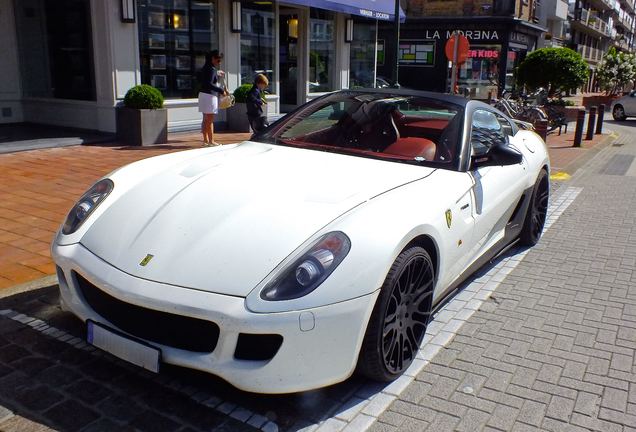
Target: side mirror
498	155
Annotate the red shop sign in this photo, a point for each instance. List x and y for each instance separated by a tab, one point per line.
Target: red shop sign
492	54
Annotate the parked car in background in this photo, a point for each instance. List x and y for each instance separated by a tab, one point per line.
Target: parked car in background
624	107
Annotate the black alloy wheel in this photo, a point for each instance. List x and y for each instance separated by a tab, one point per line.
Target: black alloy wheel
619	113
537	211
400	317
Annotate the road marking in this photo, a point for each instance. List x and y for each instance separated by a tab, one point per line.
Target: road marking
204	398
561	176
372	399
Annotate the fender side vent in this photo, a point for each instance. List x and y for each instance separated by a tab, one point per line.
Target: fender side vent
519	206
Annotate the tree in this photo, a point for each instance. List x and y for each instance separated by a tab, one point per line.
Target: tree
616	70
557	69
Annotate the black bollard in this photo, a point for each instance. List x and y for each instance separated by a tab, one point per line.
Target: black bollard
590	124
599	123
541	128
578	134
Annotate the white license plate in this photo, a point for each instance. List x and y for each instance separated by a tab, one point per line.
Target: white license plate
135	352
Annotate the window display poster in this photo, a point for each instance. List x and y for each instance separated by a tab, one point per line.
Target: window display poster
184	82
158	81
182	42
156	40
158	61
417	53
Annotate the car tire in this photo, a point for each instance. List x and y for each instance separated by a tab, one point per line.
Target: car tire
400	317
537	211
619	113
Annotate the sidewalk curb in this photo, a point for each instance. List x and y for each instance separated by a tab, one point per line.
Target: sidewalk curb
44	282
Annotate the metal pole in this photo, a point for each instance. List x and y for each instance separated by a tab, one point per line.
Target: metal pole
590	124
454	67
541	127
396	36
578	134
599	123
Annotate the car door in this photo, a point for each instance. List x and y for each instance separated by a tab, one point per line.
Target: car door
630	104
497	189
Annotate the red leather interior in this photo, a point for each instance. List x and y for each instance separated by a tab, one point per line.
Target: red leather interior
413	147
429	124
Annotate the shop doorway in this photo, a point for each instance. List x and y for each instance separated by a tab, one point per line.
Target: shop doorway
290	58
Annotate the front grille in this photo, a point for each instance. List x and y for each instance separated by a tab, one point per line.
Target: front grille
190	334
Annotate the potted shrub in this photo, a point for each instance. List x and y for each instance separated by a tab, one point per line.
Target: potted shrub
142	120
237	115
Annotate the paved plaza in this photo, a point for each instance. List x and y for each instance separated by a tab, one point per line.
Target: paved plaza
540	339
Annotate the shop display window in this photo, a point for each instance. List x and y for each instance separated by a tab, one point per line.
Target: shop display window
322	51
478	76
174	36
362	55
258	39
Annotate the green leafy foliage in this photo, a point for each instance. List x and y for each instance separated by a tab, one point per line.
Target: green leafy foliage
557	69
240	94
143	96
616	70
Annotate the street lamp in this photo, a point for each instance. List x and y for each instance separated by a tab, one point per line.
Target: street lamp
128	11
236	17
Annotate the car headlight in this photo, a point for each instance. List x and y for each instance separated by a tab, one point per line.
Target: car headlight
306	273
86	204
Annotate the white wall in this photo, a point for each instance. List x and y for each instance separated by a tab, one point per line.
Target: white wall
10	90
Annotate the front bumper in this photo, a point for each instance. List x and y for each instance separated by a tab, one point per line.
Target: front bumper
320	345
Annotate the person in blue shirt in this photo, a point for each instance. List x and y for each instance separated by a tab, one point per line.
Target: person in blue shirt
255	102
209	77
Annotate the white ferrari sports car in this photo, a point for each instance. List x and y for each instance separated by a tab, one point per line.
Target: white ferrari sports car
319	247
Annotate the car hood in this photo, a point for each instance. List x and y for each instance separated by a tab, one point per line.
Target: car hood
223	220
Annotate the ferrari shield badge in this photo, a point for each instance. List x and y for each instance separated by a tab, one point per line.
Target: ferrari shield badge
449	218
144	262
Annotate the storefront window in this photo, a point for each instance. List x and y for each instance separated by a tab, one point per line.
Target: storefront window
56	49
362	55
322	52
515	56
257	40
174	36
479	74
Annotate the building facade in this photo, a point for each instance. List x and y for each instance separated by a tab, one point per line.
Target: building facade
500	34
70	62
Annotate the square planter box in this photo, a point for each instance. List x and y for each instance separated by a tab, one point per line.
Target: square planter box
237	118
142	126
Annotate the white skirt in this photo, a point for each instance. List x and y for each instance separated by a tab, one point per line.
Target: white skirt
208	104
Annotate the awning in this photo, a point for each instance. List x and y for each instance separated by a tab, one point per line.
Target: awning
374	9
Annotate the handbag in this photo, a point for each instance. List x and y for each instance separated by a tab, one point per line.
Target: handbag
226	101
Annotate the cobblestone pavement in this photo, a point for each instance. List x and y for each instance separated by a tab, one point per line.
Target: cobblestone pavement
541	340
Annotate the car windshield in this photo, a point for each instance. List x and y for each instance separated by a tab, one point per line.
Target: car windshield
409	129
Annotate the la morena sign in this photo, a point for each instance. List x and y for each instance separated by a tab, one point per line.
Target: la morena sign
490	35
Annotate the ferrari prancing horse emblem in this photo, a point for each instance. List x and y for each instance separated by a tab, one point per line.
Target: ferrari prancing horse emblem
146	260
449	218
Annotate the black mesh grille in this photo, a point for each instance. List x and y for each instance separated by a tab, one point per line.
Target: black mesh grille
177	331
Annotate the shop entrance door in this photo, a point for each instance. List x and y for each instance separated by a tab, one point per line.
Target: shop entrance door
290	58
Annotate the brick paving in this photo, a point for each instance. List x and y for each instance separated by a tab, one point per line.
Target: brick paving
37	189
553	347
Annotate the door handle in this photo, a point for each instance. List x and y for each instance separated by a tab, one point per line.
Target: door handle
464	207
